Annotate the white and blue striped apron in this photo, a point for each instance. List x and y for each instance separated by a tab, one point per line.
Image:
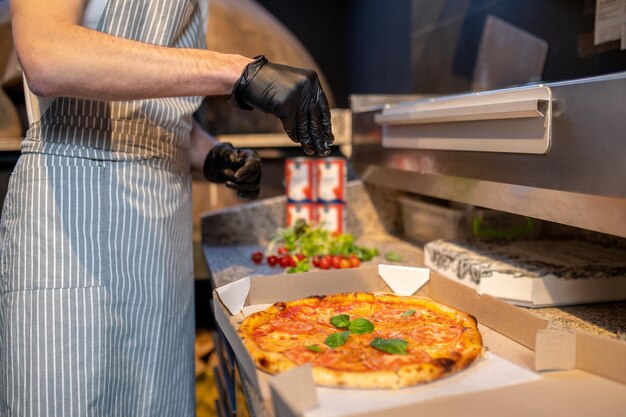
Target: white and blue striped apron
96	280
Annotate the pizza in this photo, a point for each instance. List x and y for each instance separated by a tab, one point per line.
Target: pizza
363	340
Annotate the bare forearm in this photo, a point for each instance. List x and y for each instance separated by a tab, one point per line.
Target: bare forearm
61	58
201	144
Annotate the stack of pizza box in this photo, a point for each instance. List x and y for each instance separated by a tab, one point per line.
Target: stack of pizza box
533	273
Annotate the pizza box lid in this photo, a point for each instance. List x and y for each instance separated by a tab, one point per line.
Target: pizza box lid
509	332
533	273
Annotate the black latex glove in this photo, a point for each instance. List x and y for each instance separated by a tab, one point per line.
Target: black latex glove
240	169
293	95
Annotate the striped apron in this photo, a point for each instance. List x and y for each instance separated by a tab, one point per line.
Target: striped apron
96	280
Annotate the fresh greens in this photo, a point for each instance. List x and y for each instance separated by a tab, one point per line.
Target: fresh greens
393	257
360	326
337	339
310	241
301	266
341	321
392	346
365	254
314	348
407	313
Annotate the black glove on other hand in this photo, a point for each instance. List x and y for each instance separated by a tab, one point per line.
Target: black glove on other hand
293	95
240	169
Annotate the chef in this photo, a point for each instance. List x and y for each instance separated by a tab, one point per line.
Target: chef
96	285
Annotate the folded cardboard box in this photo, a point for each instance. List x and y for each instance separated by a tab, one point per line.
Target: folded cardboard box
503	382
533	273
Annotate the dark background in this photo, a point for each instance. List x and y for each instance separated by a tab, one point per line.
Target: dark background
382	46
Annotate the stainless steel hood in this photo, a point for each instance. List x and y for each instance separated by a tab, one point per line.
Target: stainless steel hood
554	151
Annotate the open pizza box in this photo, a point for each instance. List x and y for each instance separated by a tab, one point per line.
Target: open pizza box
526	369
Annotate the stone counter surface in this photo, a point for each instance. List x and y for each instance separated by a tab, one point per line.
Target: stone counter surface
230	236
602	319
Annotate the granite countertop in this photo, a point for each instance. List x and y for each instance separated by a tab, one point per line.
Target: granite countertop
605	319
231	235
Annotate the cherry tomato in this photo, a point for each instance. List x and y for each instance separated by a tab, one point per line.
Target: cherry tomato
354	261
272	260
292	260
316	261
336	261
284	261
329	259
257	257
324	263
345	263
300	256
283	251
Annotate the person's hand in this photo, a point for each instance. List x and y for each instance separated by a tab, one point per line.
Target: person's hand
240	169
293	95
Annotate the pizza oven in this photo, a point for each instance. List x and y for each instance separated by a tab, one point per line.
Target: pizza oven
524	183
551	151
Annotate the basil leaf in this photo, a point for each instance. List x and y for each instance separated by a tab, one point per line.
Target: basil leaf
366	254
361	326
393	257
407	313
341	321
314	348
337	339
393	346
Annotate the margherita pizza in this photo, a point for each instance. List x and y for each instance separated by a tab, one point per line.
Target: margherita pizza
363	340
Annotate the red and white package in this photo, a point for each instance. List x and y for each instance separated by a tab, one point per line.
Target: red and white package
299	180
300	211
330	182
331	216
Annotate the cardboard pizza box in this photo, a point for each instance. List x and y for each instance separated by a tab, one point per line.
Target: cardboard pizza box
533	273
569	374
